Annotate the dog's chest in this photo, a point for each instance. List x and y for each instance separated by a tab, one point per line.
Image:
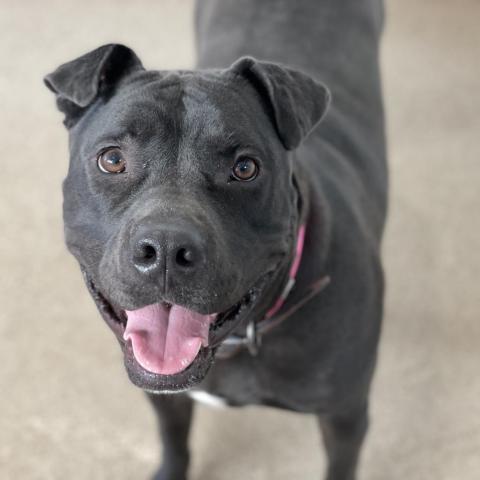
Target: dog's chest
207	398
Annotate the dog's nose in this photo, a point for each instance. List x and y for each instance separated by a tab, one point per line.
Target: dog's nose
168	249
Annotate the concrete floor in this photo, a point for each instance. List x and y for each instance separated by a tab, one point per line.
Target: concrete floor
68	410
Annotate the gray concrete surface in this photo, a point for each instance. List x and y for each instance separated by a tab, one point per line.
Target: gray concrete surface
67	408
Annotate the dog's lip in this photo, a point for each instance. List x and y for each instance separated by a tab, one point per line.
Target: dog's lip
116	320
226	322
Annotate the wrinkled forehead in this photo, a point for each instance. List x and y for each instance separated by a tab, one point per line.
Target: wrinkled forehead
192	106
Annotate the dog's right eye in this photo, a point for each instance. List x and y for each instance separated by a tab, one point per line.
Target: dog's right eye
111	161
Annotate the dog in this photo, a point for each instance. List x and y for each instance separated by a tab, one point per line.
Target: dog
228	219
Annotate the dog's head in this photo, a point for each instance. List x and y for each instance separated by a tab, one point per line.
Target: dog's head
180	203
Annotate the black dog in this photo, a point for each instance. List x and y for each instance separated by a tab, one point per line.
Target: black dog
194	201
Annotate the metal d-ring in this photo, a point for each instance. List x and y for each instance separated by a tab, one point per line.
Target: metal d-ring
253	338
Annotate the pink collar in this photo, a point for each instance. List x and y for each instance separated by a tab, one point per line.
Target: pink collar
292	274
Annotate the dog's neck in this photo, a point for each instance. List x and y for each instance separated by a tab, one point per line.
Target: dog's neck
315	213
304	278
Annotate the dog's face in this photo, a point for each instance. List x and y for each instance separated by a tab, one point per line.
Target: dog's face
180	203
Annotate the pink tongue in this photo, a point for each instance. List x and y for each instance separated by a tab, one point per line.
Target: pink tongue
166	340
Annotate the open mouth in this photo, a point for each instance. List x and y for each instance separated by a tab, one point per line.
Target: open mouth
168	347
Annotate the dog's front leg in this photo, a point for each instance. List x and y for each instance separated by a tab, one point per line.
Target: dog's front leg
174	417
343	435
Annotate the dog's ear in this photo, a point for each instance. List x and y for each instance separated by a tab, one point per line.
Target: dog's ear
78	83
295	100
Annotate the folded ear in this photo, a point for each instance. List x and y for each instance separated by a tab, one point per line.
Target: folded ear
295	100
78	83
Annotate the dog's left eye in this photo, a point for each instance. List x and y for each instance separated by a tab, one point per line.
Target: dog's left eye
245	169
111	161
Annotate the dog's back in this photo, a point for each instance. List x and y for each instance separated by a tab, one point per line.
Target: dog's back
336	41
